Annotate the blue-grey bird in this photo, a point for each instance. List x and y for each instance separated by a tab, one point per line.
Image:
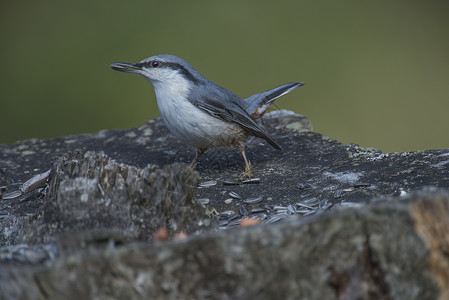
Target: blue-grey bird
201	113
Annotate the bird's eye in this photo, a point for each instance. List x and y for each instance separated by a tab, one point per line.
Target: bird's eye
155	64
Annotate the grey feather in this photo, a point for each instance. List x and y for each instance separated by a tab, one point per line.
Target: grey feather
225	105
255	101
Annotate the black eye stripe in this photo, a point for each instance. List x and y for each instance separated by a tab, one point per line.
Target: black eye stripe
149	64
171	65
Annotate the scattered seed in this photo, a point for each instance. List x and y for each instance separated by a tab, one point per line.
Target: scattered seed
228	201
235	222
257	210
223	222
226	214
35	182
234	216
303	211
261	216
207	184
202	201
253	200
234	195
230	182
304	205
324	204
347	190
12	195
251	180
269	207
279	207
312	201
309	212
273	219
301	186
291	209
243	211
337	194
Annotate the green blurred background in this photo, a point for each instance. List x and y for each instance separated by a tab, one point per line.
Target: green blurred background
376	72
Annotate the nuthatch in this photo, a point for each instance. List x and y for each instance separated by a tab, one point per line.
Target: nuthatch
201	113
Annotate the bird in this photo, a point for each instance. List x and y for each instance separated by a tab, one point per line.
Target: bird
201	113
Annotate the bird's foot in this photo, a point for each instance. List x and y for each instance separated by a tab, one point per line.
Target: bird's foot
247	174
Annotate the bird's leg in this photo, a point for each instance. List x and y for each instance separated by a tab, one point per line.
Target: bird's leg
247	173
199	152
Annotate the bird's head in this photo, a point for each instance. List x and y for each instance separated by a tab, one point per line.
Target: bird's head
162	69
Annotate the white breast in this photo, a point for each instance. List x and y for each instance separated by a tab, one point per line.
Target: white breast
186	121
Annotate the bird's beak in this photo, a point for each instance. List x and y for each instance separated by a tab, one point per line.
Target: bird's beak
125	67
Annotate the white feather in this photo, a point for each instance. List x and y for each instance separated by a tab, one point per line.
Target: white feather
184	120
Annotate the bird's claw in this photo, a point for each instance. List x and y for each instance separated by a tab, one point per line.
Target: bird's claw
247	174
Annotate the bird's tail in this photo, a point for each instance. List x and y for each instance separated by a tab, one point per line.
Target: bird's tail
257	104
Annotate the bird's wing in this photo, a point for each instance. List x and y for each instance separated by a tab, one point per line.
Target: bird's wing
235	113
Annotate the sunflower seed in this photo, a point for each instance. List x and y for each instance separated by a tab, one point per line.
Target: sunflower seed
303	211
337	194
282	212
228	201
312	202
207	184
223	222
12	195
253	200
230	182
268	208
262	216
202	201
309	212
279	207
234	216
291	209
234	222
257	210
324	204
234	195
226	214
301	186
35	182
251	180
273	219
243	211
304	205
